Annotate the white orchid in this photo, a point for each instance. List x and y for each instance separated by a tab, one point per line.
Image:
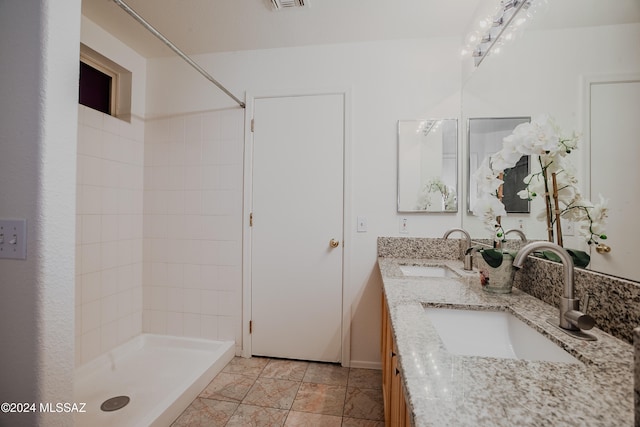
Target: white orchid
593	218
507	157
487	178
542	138
436	185
537	137
489	208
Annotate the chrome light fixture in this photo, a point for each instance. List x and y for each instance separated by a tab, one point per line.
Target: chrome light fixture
284	4
498	28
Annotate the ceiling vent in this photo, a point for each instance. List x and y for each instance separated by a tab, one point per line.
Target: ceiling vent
289	4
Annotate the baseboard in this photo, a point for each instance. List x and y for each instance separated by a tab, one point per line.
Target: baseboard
365	364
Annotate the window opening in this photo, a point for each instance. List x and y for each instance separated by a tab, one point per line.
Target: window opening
95	88
104	85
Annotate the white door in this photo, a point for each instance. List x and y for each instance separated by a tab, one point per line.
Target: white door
297	210
615	172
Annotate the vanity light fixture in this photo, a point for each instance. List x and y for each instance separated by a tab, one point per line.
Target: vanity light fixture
428	125
498	28
286	4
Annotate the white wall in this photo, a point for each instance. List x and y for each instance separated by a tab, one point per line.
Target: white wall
39	47
408	79
110	179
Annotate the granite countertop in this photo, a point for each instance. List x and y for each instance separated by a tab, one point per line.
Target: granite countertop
444	389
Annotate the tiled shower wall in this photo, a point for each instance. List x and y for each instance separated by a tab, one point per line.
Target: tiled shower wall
192	275
109	242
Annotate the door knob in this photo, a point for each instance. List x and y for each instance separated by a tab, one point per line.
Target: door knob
603	249
334	243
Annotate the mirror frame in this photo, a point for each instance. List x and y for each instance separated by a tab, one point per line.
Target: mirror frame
456	186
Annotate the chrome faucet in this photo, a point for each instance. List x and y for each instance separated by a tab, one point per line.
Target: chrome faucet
468	252
518	232
571	318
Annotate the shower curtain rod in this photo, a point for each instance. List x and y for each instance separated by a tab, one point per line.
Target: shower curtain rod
174	48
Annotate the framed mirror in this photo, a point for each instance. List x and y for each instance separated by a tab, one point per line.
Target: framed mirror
428	165
485	136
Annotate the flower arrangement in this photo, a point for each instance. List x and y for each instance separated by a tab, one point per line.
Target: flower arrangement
555	182
447	195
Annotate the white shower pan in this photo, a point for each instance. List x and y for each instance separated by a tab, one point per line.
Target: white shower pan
161	375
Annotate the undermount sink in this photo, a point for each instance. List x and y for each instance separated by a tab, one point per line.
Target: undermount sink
427	271
493	334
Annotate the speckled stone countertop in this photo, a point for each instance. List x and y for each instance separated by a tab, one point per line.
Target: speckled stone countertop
444	389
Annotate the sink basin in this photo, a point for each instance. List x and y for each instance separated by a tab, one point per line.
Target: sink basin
427	271
493	334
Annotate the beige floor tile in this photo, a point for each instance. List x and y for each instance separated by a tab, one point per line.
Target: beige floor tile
256	416
364	403
272	393
250	367
326	373
229	387
320	399
293	370
206	413
266	392
305	419
365	378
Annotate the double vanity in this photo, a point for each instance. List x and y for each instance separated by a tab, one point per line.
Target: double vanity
455	355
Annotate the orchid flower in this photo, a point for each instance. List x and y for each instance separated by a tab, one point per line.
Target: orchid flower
542	138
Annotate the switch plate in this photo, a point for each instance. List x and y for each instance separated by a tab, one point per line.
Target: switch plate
362	224
404	225
568	228
13	238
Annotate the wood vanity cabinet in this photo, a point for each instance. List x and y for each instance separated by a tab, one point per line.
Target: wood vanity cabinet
396	411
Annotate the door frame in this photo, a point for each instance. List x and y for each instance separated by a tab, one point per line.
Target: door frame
346	223
588	81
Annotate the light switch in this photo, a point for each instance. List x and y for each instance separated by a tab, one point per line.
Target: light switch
13	238
362	224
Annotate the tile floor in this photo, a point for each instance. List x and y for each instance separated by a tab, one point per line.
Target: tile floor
264	392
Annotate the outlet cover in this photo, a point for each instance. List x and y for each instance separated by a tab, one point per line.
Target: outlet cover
362	224
404	225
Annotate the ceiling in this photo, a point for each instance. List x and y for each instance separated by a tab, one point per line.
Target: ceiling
205	26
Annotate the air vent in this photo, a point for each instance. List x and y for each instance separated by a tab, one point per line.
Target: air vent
287	4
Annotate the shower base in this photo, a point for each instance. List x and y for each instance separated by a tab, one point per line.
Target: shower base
160	374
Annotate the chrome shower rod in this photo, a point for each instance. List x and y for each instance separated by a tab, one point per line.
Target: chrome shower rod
174	48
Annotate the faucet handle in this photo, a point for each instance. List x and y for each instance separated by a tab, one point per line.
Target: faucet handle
578	316
579	319
584	304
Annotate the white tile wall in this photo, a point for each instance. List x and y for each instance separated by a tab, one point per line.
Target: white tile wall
159	211
109	238
193	225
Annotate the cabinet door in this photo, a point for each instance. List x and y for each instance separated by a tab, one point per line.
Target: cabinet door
396	411
395	396
386	362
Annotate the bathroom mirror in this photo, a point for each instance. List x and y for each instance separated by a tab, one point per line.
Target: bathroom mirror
427	165
551	68
485	137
